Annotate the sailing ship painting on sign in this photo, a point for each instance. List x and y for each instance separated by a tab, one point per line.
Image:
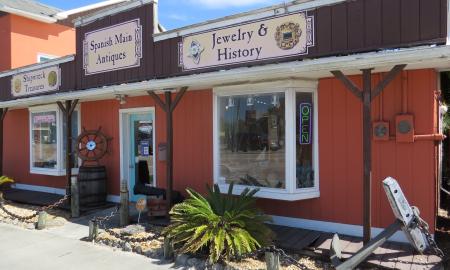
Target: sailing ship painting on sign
283	36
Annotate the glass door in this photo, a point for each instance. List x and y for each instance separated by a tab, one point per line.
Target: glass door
141	153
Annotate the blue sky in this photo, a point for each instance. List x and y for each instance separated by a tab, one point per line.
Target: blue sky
177	13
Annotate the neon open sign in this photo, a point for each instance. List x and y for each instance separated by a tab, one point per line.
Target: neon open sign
305	123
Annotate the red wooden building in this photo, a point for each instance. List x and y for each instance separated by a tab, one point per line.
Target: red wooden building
269	104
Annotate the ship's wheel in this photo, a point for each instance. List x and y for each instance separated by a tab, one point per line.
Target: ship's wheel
92	145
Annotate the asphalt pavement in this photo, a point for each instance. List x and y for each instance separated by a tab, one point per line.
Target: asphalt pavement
22	249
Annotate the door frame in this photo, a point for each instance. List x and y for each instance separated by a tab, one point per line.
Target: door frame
124	134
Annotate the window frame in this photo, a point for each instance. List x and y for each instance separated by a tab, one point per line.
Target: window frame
289	88
59	170
44	55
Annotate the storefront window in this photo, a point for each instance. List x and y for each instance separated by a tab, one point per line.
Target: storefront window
44	153
266	138
47	144
252	140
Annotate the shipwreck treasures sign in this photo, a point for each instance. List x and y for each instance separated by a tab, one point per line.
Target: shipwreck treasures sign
282	36
36	82
112	48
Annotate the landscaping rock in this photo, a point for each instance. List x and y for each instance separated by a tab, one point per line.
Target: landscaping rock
127	247
181	259
201	264
149	253
132	230
138	250
217	266
192	262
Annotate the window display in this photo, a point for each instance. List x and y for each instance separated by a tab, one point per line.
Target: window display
45	138
267	139
252	141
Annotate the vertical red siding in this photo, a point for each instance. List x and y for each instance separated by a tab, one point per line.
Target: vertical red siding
340	148
192	137
16	162
340	154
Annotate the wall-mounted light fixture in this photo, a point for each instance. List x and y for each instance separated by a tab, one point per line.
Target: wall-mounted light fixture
122	99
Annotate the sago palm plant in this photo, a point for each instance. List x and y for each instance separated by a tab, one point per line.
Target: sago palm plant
223	224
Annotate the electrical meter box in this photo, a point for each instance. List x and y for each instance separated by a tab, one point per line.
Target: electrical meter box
404	125
380	131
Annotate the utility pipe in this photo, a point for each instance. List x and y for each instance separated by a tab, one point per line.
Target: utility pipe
425	137
404	92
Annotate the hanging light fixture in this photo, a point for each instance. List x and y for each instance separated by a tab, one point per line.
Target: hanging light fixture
250	101
230	102
275	100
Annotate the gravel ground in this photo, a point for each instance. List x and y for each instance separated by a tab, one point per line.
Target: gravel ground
55	217
154	249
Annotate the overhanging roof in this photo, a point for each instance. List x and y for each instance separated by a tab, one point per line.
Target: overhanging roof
284	8
416	58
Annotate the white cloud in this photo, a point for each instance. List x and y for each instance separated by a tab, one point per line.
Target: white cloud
231	3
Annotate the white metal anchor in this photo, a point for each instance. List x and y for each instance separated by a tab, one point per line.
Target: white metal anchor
407	219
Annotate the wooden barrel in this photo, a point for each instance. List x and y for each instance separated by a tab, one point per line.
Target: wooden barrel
92	185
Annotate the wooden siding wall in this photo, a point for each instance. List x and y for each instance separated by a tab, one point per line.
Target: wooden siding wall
340	149
349	27
16	147
340	154
192	138
145	71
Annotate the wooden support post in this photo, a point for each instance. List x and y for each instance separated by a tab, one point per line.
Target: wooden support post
93	230
3	112
272	261
75	198
42	220
169	161
168	249
367	95
67	111
124	202
367	154
168	108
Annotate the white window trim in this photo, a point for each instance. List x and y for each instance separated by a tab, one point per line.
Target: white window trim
290	88
59	170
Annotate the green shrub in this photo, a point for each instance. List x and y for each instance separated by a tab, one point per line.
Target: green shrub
222	224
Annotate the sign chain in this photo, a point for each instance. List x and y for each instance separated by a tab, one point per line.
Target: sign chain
35	214
424	227
102	222
280	252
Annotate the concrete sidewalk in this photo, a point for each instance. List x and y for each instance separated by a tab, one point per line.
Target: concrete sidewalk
36	250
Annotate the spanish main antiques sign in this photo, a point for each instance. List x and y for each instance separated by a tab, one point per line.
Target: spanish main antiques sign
282	36
37	81
112	48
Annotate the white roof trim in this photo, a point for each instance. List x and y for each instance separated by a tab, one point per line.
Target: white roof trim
49	63
101	14
271	11
416	58
26	14
64	14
